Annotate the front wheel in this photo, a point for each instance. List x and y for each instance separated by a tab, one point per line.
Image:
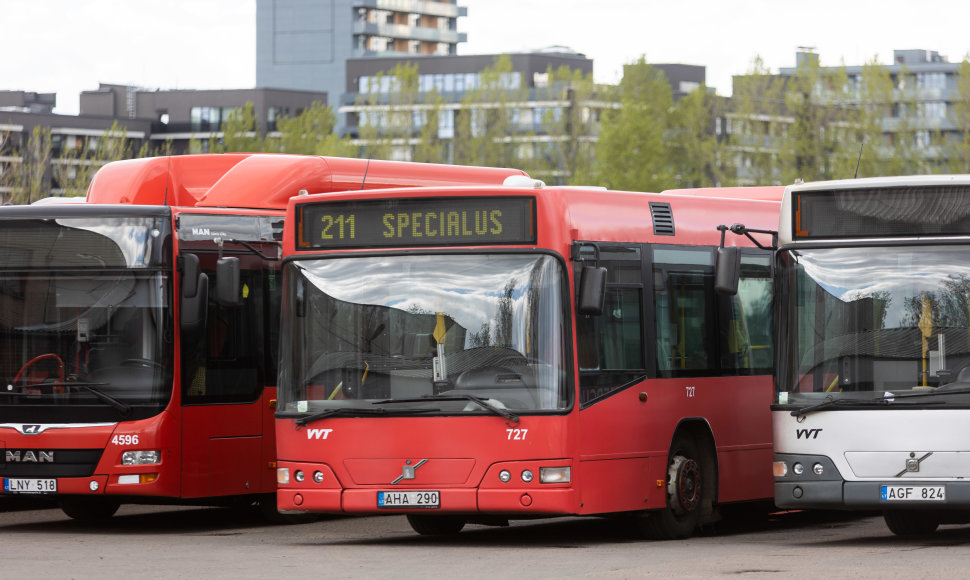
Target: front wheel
89	509
436	525
908	523
685	492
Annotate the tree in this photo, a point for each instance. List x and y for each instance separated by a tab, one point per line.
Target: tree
74	171
29	179
756	122
240	132
487	128
310	133
957	150
631	152
693	144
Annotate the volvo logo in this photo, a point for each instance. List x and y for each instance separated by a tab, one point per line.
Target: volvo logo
407	472
29	456
913	463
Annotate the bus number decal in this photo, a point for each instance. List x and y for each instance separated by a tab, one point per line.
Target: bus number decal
345	224
124	440
690	392
517	434
318	433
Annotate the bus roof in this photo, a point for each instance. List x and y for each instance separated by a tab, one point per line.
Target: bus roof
249	180
591	214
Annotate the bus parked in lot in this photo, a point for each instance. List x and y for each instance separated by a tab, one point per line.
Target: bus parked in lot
139	330
479	354
874	349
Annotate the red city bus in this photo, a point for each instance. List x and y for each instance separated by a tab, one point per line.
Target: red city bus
483	354
125	378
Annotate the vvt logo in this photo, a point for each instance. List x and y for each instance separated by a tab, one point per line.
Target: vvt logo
318	433
807	433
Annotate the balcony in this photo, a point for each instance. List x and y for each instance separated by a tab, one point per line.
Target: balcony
415	7
408	32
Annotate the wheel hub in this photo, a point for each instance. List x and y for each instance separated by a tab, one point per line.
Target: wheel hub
684	485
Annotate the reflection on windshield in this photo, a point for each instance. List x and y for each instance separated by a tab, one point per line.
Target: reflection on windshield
404	327
858	321
103	331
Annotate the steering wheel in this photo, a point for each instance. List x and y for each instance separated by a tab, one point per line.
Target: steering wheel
50	355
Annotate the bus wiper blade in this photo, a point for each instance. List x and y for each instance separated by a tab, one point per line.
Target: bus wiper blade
77	385
832	403
350	411
508	415
934	393
89	387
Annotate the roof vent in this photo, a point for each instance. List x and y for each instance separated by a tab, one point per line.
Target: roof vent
523	181
663	219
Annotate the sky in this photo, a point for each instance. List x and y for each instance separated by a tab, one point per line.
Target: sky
69	46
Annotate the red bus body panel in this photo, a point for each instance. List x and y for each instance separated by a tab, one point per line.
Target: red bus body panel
617	448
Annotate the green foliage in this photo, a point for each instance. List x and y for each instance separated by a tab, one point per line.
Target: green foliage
957	150
30	179
240	133
631	151
310	133
77	167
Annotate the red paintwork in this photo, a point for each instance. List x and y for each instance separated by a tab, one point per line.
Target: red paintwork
218	450
617	448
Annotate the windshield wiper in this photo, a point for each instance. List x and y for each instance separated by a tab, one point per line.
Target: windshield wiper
350	412
834	403
508	415
89	387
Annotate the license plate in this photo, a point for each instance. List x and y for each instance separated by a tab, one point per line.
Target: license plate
913	493
408	499
29	485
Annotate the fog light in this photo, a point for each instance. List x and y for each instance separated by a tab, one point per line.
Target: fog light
141	457
298	476
818	469
797	492
504	476
282	475
554	475
779	468
527	476
798	469
318	477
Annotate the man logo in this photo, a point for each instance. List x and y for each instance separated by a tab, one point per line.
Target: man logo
29	456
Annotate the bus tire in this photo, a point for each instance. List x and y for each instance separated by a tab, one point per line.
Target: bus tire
436	525
89	509
909	523
685	489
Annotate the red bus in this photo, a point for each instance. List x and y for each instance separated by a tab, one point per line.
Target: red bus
139	330
492	353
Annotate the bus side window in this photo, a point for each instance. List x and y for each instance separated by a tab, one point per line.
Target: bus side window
610	346
745	325
685	305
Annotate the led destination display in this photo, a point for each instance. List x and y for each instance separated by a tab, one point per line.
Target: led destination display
416	222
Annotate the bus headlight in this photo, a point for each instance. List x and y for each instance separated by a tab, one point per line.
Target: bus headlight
818	469
554	474
141	457
798	469
282	475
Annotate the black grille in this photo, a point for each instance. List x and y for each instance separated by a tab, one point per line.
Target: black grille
32	462
663	219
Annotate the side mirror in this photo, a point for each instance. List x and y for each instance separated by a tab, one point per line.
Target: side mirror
194	293
227	282
727	271
592	290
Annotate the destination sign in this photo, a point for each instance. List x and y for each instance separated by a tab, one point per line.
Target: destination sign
416	222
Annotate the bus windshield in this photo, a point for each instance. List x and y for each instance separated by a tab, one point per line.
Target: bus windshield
425	332
873	322
84	316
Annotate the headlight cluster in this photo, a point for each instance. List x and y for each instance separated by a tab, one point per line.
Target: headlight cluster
141	457
283	476
546	475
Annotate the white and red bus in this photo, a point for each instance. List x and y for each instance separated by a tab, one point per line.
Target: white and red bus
492	353
139	330
874	349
